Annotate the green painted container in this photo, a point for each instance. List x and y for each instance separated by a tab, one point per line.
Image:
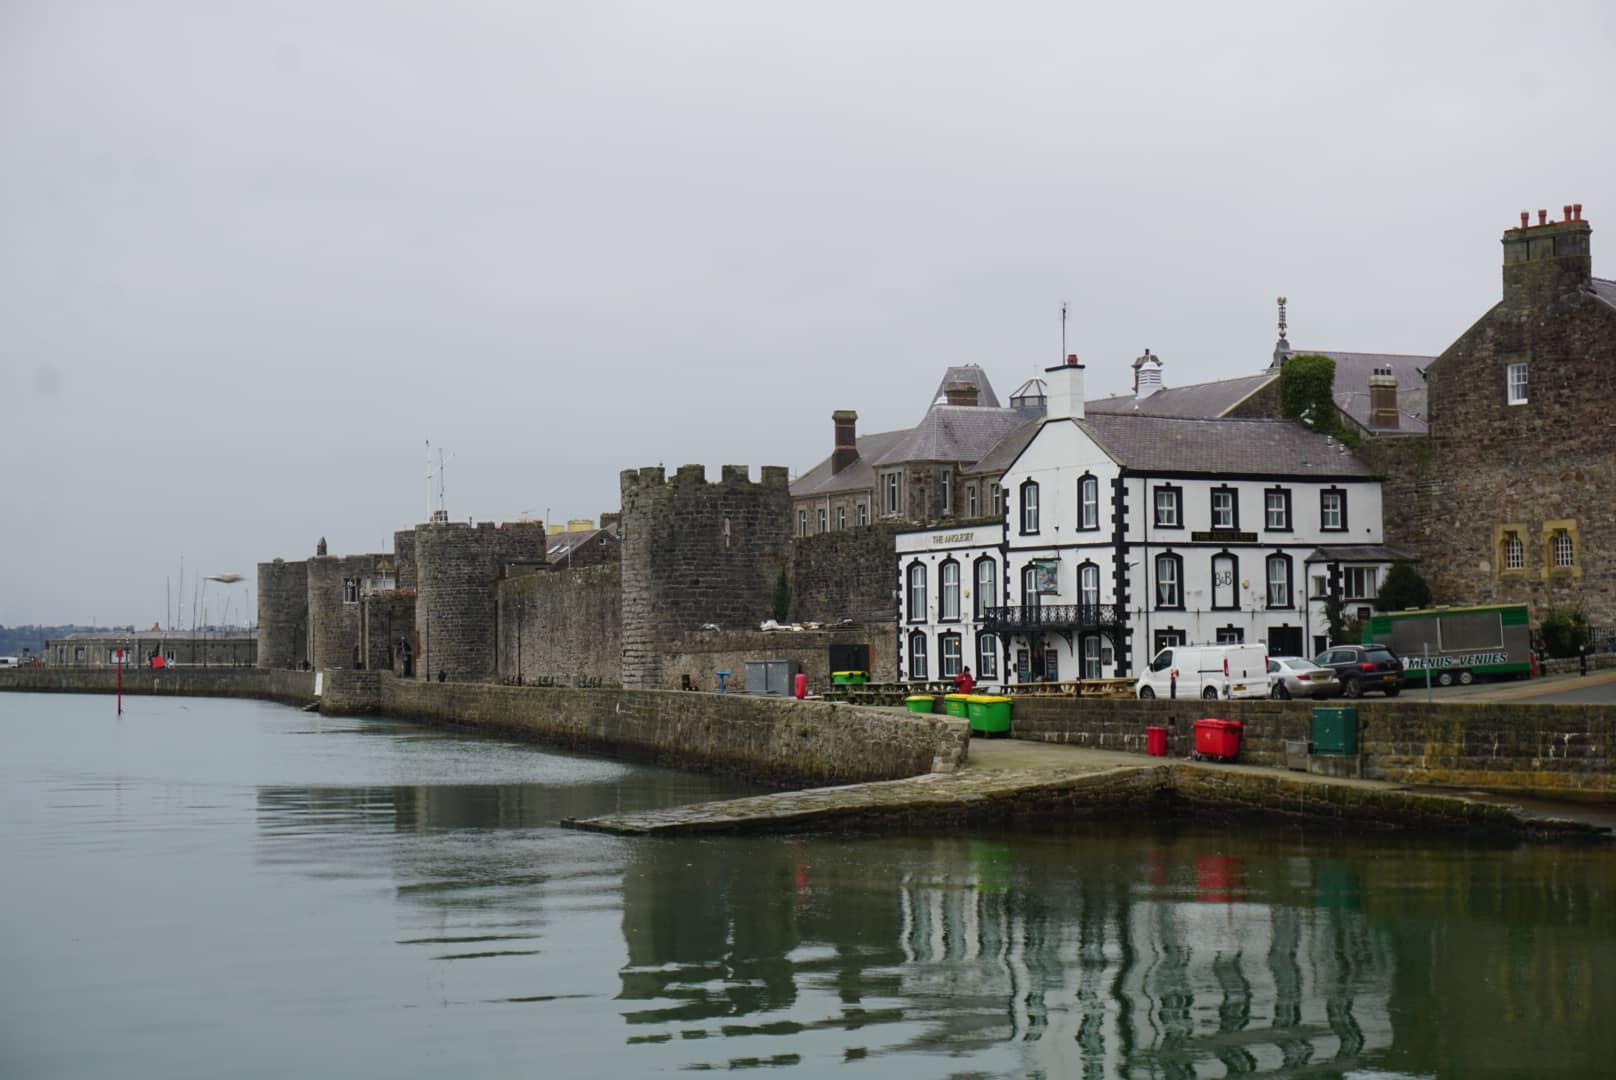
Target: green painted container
989	713
918	703
1335	729
956	705
849	678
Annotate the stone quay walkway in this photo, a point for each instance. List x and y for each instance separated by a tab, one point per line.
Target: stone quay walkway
1006	780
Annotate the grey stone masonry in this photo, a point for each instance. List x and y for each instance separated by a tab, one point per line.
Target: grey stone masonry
335	624
695	554
283	614
404	559
457	569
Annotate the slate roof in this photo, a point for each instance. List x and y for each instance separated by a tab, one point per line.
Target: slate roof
953	433
1201	400
1351	391
1360	553
973	374
1221	447
1007	449
819	480
1605	290
557	545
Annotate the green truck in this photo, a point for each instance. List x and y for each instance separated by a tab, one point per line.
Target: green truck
1457	644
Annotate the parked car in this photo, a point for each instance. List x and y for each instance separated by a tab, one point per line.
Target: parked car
1206	671
1297	676
1363	667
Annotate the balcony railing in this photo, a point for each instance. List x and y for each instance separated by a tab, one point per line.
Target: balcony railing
1051	617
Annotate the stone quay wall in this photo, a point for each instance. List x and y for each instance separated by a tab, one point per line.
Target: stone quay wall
1561	749
557	627
786	742
283	614
695	554
289	687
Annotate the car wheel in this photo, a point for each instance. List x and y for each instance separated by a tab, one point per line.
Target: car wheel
1146	693
1393	691
1352	688
1445	679
1280	693
1466	678
1209	694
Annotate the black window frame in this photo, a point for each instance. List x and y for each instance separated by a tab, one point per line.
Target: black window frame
1099	582
942	592
1285	494
976	583
915	569
1324	494
1234	508
1177	492
1082	482
943	641
1279	557
1021	508
918	636
987	657
1178	580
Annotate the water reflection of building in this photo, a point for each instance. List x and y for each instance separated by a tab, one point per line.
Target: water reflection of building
950	947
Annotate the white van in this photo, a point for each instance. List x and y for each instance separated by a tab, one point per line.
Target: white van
1206	671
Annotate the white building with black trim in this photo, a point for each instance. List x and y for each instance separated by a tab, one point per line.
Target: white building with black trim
951	578
1125	533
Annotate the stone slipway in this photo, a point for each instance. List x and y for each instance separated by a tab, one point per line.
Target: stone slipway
1009	781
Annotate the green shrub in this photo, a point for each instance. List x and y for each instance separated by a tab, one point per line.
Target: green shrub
1403	588
1564	631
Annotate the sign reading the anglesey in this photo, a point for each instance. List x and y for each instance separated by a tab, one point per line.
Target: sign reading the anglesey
954	538
1455	660
1223	536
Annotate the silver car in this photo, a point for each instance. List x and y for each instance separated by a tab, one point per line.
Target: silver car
1299	677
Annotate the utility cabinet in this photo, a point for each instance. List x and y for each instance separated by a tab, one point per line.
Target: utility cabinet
770	676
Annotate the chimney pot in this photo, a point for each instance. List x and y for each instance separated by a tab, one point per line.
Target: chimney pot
1526	218
1568	211
1542	217
1577	209
1071	359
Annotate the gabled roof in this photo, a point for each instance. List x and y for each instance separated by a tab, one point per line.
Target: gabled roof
953	433
558	545
1201	400
968	373
1278	448
819	480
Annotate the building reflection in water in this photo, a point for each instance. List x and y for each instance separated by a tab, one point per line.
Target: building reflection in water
1159	962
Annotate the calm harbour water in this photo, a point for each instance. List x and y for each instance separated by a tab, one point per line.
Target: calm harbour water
228	888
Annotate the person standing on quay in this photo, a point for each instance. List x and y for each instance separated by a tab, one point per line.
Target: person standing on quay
963	682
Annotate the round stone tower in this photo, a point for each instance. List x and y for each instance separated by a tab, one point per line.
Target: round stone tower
283	614
457	568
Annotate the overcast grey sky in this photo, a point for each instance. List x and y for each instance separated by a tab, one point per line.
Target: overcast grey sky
252	255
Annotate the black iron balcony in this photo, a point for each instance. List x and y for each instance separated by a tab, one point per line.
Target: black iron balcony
1003	620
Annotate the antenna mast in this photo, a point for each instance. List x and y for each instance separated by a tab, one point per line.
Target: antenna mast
1064	306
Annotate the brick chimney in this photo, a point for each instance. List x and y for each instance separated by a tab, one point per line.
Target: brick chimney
1065	390
846	449
960	393
1383	413
1547	259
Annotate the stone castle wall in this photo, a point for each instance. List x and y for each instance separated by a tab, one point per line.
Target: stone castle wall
555	627
701	654
388	621
283	614
696	553
335	622
851	574
457	568
404	559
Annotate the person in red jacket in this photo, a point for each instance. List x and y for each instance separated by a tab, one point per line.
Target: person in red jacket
963	682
